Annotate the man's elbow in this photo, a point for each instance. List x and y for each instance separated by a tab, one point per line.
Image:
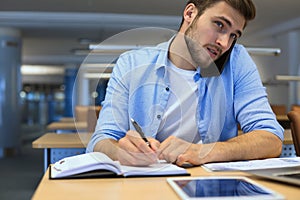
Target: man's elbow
276	147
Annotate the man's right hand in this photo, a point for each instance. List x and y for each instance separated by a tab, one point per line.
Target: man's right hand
133	150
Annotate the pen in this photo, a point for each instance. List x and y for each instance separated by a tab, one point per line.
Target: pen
140	131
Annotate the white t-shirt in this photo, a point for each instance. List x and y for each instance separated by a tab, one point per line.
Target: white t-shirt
179	118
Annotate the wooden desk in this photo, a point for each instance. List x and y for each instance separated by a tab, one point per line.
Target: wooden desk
135	188
288	139
67	119
67	126
57	146
284	121
282	118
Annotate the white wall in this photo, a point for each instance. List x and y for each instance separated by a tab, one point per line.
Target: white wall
287	63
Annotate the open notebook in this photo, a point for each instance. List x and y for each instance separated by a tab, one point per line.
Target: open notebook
97	164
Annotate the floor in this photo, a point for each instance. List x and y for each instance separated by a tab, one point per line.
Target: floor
20	173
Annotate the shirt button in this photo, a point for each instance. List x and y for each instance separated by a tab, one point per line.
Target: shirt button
167	88
158	116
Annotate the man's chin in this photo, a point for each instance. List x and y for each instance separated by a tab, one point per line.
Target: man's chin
205	64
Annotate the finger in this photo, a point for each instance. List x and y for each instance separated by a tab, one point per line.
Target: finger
186	161
189	158
165	143
172	149
138	149
154	144
182	159
140	144
125	158
126	144
169	154
162	150
135	158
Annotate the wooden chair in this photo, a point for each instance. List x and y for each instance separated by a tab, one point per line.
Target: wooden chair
88	114
279	109
294	117
92	116
81	113
295	107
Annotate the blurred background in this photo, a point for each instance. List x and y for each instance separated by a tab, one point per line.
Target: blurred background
44	44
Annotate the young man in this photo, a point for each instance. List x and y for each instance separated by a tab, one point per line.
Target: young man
188	107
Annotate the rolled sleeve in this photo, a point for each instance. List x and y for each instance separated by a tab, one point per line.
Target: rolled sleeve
252	108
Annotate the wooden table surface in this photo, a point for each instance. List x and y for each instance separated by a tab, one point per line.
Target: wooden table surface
136	188
77	140
282	118
69	140
67	126
67	119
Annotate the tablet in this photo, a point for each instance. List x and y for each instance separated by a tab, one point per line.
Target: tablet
229	187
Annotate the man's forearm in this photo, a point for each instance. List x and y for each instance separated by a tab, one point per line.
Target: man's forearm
107	146
254	145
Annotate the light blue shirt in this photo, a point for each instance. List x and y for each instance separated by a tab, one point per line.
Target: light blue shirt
139	89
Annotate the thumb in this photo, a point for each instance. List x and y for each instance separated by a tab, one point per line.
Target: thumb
182	159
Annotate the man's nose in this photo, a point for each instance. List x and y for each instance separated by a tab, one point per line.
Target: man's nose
223	41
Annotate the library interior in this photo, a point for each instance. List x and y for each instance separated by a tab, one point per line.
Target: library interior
56	59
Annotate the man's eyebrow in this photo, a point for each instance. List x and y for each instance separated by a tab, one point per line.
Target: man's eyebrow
228	22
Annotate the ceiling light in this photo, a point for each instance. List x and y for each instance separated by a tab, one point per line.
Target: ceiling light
97	75
42	70
263	51
287	78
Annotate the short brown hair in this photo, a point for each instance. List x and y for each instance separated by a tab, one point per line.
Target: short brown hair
245	7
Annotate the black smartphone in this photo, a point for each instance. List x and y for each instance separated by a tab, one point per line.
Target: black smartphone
216	68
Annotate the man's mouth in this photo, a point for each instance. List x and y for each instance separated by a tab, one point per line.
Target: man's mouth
213	52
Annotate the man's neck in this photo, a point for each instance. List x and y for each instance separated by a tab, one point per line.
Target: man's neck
179	54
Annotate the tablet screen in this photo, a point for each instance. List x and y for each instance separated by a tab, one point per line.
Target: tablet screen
219	187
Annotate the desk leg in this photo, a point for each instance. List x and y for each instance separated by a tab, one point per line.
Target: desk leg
46	158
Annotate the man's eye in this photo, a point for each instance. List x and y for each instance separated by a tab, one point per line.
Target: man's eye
219	24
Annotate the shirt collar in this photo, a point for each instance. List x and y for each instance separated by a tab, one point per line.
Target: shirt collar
162	60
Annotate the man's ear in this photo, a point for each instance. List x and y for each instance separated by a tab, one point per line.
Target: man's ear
189	13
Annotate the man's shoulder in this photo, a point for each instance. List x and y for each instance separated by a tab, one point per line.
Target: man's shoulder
146	50
239	54
240	61
146	55
238	48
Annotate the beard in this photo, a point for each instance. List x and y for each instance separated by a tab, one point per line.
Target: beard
198	52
